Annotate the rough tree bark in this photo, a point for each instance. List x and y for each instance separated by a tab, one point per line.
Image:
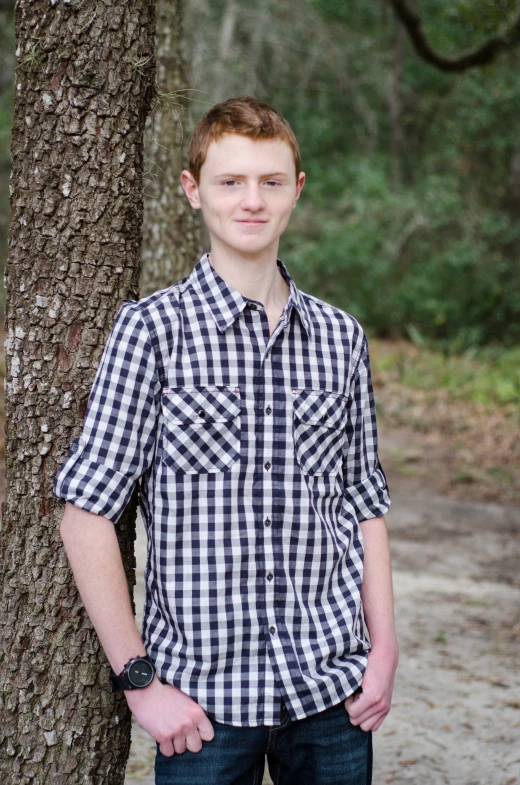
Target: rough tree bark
84	83
172	230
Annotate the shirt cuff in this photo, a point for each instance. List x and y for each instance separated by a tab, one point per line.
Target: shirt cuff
91	485
369	497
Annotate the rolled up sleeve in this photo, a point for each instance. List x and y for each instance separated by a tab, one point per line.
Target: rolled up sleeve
365	482
117	442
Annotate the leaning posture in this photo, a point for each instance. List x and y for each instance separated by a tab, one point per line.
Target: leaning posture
243	408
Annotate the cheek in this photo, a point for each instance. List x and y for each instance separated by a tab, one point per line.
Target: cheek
283	209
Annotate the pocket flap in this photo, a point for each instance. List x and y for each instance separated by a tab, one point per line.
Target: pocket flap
319	407
199	405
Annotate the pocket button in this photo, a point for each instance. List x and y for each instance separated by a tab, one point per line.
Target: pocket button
200	432
319	427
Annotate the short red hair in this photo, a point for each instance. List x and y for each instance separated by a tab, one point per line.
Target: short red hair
245	116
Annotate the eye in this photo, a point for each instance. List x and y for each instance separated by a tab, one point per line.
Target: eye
229	182
272	182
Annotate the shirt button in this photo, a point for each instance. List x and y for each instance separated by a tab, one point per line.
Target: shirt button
268	410
272	630
270	576
267	465
324	418
252	306
267	521
201	413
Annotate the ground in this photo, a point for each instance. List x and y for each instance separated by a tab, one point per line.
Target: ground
455	717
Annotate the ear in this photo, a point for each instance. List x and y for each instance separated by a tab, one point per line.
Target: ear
299	186
191	189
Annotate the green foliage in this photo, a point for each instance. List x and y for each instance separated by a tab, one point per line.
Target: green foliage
490	375
414	239
436	251
422	258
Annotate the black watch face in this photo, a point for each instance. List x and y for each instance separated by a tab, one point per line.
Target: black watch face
140	673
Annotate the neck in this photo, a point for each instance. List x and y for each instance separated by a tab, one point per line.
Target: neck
257	278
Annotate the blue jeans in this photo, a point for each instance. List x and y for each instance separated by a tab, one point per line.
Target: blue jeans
324	749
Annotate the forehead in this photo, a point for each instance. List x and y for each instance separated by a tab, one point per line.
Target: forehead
237	154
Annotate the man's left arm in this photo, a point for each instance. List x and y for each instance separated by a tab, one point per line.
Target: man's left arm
366	490
369	708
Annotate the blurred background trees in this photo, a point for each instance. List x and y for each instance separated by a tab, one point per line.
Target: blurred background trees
409	219
409	216
171	229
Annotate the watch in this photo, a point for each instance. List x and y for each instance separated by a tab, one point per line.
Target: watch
137	674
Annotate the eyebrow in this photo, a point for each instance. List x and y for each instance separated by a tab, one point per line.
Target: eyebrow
236	176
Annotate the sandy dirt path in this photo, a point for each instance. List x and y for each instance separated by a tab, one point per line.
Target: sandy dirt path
456	712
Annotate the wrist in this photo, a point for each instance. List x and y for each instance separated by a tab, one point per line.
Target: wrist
134	697
121	657
137	674
386	647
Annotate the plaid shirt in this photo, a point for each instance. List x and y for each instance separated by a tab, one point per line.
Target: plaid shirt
256	457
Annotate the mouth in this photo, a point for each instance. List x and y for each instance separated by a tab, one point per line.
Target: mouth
251	222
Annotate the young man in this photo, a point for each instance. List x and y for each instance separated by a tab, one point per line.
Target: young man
245	410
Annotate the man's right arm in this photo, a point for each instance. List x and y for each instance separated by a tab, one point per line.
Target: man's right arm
169	715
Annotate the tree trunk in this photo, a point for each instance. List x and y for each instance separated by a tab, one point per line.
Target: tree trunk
511	198
84	82
172	236
7	62
394	106
225	49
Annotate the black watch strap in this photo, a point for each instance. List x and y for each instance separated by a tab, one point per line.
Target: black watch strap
118	682
124	681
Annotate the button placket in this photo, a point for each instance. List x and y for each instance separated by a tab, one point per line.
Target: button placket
267	422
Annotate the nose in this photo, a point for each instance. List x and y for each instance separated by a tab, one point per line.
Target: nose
252	199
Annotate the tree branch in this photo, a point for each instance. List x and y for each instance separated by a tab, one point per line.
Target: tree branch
482	56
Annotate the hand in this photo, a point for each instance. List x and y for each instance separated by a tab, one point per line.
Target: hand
171	717
369	707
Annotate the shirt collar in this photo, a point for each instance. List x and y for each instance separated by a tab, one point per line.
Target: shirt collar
226	303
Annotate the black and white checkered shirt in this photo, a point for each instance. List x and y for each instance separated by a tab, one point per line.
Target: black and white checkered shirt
257	458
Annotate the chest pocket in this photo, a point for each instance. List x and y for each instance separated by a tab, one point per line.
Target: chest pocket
319	419
201	429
